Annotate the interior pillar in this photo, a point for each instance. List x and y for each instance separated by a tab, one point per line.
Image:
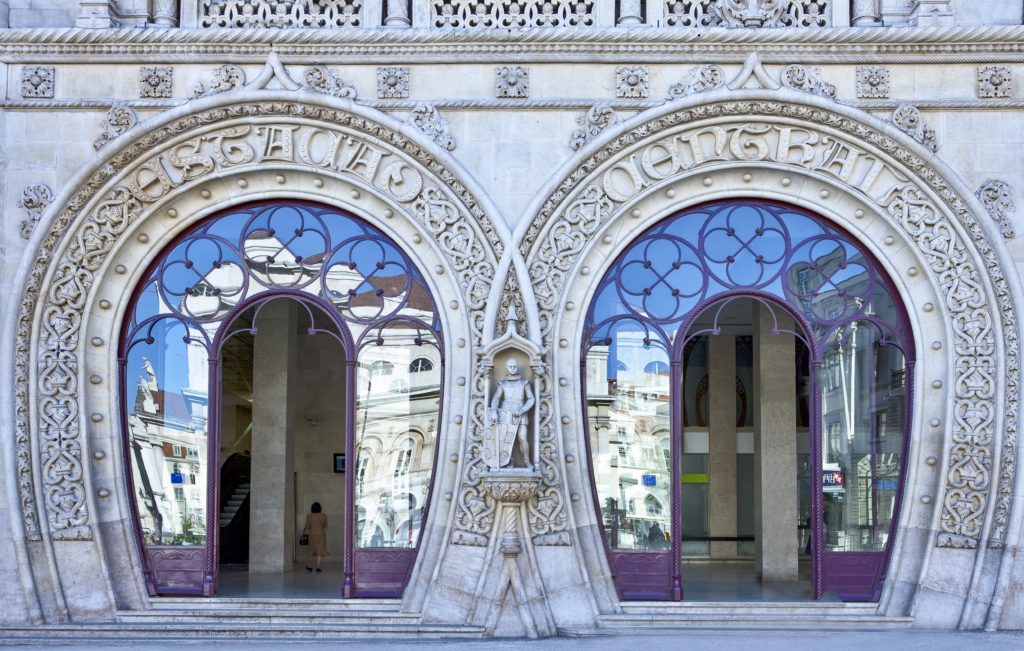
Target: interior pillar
775	498
722	458
272	496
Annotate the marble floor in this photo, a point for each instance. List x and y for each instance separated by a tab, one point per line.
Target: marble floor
702	581
297	584
738	581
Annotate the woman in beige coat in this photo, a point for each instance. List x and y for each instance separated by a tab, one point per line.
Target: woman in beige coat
316	529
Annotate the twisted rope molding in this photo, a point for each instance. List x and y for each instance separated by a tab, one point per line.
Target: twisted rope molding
553	103
1003	43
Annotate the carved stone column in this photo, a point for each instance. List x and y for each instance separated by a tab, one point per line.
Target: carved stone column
866	13
165	13
630	13
397	14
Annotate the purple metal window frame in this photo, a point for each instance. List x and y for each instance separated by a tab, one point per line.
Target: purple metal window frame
821	560
207	586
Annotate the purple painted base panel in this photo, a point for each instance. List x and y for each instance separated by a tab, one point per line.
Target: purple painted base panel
854	576
176	570
643	575
382	572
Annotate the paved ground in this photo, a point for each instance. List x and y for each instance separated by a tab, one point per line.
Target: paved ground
697	640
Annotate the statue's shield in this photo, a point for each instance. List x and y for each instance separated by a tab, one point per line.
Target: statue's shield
500	427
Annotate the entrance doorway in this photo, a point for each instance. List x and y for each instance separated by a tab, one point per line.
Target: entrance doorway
282	421
745	483
748	370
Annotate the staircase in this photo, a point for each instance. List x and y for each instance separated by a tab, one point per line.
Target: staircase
234	503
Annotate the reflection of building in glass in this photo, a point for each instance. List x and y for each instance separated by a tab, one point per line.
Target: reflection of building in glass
396	425
167	432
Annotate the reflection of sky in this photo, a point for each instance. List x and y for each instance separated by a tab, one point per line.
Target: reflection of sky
169	356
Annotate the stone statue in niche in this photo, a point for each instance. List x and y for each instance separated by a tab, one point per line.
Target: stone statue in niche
507	421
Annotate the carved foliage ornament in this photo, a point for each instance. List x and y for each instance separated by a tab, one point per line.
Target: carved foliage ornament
367	152
997	197
392	83
873	82
280	13
223	78
321	79
34	200
37	82
748	13
119	119
429	120
807	79
596	120
704	78
155	81
512	81
995	82
631	82
574	213
909	120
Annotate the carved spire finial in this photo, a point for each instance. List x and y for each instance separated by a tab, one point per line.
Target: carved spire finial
511	319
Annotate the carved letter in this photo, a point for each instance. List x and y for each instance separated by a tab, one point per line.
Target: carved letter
659	165
149	182
194	163
720	140
307	146
235	153
364	161
401	181
631	176
753	148
277	143
839	155
787	144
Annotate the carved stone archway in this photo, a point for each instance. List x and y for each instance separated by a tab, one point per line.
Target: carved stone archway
894	196
143	189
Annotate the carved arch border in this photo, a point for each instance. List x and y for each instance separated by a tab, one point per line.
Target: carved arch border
934	219
151	184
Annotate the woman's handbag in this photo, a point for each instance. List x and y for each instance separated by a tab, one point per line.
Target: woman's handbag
304	539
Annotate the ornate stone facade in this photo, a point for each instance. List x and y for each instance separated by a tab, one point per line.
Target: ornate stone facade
311	100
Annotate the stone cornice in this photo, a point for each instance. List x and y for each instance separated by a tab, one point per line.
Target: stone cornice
990	44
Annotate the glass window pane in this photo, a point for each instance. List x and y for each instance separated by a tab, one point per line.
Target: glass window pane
166	395
398	398
628	411
863	405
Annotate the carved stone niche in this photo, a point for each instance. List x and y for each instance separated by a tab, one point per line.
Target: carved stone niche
512	368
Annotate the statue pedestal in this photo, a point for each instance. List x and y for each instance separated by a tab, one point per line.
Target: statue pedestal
511	485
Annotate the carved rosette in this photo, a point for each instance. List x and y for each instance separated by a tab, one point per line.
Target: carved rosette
464	234
571	216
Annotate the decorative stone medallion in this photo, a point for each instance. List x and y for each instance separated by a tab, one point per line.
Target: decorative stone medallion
156	81
632	82
995	82
392	83
37	82
873	82
512	81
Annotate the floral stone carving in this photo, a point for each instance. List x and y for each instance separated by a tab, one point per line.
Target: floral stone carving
807	79
511	81
155	81
995	82
37	82
596	120
392	83
511	485
34	200
704	78
997	197
223	78
909	120
873	82
632	82
429	120
321	79
119	119
512	13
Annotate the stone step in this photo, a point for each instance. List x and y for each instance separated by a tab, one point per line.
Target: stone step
273	604
124	632
667	623
248	616
811	608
